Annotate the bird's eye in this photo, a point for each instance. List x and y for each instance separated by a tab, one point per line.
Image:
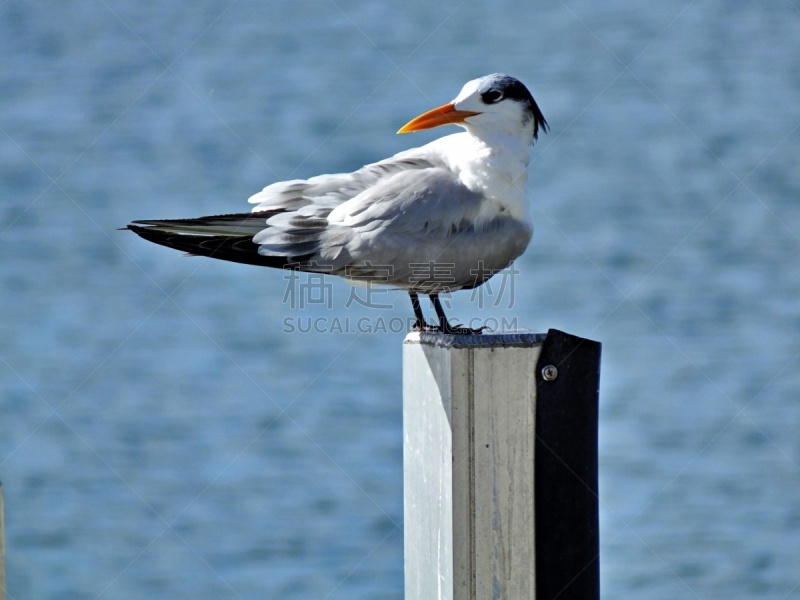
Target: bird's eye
492	96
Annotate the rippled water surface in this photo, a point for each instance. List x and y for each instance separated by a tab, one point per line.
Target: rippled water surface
163	436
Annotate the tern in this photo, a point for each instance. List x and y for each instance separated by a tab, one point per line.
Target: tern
443	217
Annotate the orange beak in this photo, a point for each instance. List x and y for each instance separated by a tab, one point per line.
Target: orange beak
441	115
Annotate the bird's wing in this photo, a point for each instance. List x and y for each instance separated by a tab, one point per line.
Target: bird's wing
331	190
420	229
299	209
397	208
225	237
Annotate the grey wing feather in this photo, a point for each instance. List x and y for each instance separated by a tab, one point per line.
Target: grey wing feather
331	190
399	207
306	206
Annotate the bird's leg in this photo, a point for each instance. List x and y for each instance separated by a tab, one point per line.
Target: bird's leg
419	324
444	325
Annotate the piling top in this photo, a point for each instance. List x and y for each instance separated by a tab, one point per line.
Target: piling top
505	339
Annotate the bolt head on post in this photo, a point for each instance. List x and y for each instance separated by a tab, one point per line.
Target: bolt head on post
549	373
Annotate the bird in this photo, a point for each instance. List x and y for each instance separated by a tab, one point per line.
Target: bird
442	217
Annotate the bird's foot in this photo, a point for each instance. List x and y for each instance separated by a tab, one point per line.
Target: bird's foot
445	327
459	329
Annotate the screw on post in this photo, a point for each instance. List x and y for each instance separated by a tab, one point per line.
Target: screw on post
549	373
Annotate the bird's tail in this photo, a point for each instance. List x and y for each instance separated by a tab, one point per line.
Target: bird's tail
225	237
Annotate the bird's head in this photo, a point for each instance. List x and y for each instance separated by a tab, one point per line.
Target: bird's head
495	102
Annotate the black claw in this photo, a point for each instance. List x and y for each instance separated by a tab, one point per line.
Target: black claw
460	330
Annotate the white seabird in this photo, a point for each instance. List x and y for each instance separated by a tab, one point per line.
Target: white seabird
439	218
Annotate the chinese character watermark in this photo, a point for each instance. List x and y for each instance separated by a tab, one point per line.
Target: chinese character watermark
370	281
434	274
313	289
307	286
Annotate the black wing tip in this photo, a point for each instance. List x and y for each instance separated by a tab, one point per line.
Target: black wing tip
238	249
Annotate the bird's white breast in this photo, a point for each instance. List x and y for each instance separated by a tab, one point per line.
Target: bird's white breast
497	171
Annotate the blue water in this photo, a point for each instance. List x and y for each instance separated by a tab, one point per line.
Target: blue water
163	436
